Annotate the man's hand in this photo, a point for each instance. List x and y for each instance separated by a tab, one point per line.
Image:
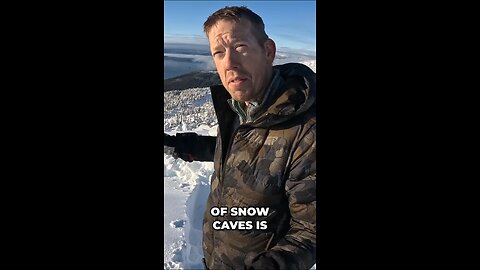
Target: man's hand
269	260
169	144
263	263
170	147
169	140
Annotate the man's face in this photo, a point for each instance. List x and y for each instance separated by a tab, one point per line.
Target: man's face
244	66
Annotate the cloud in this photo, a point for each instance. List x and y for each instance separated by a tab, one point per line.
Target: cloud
185	39
207	60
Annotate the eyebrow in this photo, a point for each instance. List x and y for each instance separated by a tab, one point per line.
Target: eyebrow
216	48
232	41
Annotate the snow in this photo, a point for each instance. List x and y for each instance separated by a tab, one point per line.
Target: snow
187	185
186	190
312	64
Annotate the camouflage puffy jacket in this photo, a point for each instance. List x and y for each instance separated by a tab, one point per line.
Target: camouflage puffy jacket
268	162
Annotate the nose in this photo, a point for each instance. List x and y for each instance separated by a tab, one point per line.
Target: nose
231	60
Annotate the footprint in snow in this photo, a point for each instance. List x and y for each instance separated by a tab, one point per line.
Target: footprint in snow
177	223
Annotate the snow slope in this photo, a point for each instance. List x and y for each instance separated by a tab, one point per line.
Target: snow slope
186	190
186	184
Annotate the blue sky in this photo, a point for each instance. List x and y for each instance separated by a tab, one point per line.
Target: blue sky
290	24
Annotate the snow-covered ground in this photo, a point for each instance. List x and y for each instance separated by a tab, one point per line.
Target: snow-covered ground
187	184
186	189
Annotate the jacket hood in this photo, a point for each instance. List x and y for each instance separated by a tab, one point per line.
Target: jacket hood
295	95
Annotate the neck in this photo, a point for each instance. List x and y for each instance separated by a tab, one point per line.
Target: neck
260	94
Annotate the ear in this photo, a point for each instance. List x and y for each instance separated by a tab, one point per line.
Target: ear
270	50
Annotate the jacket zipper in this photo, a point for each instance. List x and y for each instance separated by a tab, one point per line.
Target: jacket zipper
221	175
222	169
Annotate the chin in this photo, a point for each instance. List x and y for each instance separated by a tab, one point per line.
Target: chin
242	97
239	98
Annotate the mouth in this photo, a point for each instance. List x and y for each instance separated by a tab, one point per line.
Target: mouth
237	80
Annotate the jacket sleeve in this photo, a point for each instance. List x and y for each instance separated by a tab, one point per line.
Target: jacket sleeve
297	249
199	147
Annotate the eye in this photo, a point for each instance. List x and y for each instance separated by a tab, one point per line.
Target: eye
241	47
217	53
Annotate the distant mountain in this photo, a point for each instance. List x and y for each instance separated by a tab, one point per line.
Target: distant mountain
192	80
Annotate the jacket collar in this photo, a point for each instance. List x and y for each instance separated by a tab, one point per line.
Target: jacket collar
247	113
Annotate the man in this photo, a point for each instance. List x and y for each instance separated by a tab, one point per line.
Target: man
264	152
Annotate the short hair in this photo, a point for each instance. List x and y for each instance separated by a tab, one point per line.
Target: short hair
236	13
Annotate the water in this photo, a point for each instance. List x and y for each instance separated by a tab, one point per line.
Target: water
173	68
